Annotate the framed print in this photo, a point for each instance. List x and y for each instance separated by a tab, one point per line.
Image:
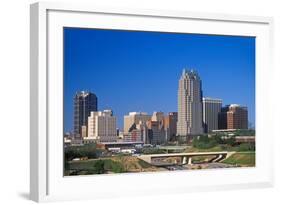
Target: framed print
131	101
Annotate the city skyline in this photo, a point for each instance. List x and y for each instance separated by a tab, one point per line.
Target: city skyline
155	89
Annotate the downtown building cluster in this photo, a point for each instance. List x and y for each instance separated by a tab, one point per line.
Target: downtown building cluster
150	129
196	115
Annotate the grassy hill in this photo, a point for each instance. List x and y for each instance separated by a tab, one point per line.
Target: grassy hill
108	165
246	159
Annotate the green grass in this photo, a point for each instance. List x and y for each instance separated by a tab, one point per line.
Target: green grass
213	149
95	167
242	159
153	151
118	164
90	151
218	148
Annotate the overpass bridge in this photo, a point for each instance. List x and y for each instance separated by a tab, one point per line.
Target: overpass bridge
186	158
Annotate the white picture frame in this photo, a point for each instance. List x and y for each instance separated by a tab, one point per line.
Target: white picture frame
46	177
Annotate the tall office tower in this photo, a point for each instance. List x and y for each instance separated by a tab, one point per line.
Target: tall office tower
211	110
135	118
170	124
84	103
102	126
189	104
222	118
233	117
91	134
156	132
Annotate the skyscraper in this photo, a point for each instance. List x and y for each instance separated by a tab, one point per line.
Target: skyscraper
233	117
102	126
170	124
156	132
84	103
211	110
189	104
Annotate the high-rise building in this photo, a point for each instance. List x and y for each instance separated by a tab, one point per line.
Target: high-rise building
156	132
102	126
189	104
222	118
170	124
211	110
233	117
84	103
135	118
92	125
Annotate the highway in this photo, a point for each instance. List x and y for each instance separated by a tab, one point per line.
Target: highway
186	158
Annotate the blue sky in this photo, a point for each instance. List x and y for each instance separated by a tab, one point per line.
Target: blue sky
139	71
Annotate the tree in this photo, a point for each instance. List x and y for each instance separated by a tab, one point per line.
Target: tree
230	141
246	147
204	142
89	151
99	167
218	139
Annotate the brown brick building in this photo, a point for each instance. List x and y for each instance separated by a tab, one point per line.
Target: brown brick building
233	117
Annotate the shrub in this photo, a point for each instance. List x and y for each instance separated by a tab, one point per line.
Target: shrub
204	142
98	167
89	151
246	147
